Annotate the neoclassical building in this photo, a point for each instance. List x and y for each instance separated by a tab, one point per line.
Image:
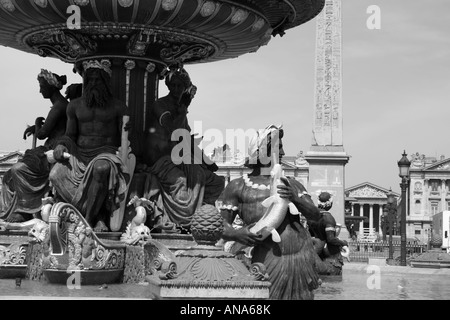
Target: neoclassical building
429	192
368	201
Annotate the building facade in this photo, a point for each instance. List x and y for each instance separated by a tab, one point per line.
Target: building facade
429	193
368	201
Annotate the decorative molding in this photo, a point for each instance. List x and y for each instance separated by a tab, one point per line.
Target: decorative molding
62	44
14	254
139	43
73	240
367	192
417	160
181	53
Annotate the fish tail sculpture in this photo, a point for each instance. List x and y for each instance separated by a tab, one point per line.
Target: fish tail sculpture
277	207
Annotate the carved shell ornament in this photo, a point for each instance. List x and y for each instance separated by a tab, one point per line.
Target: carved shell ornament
169	4
41	3
126	3
239	16
259	23
209	269
7	5
207	9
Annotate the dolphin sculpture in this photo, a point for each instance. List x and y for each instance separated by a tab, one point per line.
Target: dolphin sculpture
276	208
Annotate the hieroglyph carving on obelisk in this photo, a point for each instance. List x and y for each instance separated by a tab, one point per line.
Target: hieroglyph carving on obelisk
328	121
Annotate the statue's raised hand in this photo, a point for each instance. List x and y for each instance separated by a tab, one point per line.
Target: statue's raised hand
39	122
29	131
287	191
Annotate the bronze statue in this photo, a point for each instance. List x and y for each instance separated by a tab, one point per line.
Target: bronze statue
26	183
326	243
93	178
178	188
290	262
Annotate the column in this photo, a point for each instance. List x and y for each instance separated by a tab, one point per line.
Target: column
361	213
380	214
135	82
370	217
353	209
443	194
425	197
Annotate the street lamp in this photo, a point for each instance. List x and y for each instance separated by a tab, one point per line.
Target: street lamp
391	210
403	166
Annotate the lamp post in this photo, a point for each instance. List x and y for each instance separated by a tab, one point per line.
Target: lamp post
391	204
403	166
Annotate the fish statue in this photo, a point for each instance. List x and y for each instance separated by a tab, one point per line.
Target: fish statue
277	208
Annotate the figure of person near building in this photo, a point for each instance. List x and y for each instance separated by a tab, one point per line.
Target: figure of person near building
26	183
325	238
291	262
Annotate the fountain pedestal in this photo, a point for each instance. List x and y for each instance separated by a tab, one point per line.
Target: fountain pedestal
205	271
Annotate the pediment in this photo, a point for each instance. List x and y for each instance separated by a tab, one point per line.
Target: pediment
368	190
11	158
443	165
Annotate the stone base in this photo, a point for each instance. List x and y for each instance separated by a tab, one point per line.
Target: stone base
12	272
175	241
34	257
13	254
85	277
174	289
134	271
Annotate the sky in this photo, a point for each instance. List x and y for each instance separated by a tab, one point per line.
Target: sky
396	88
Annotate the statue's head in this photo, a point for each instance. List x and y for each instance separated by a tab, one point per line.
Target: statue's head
50	82
179	82
325	200
263	145
97	83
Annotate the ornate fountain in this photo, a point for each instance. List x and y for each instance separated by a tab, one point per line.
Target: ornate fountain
142	40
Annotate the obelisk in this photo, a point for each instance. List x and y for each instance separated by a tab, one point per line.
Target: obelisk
327	158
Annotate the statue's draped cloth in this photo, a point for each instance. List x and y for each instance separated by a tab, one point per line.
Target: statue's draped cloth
181	189
72	179
290	263
26	183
